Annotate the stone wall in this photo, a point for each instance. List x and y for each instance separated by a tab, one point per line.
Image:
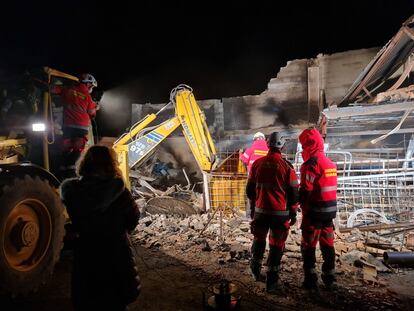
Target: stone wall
291	102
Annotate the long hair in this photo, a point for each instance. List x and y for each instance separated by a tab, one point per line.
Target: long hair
98	161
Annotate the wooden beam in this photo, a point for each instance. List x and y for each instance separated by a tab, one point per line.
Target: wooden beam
335	112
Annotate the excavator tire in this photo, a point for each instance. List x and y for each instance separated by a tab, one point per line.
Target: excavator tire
31	234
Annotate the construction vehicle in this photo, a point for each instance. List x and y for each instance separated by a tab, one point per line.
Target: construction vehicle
224	180
134	147
32	216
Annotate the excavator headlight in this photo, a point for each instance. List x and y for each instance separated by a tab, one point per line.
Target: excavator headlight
38	127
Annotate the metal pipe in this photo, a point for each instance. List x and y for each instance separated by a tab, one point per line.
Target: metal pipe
399	258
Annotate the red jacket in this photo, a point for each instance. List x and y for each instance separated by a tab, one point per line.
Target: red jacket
273	186
257	150
78	106
318	180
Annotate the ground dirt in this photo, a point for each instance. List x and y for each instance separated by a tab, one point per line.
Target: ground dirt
169	283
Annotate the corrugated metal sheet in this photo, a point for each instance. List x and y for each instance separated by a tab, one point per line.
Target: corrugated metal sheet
388	60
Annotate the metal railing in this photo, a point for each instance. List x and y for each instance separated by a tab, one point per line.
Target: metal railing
372	189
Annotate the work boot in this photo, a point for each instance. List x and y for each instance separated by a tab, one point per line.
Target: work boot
328	278
272	278
311	280
257	251
309	260
328	266
255	268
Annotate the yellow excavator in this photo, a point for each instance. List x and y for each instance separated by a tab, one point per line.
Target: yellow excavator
134	147
32	216
226	183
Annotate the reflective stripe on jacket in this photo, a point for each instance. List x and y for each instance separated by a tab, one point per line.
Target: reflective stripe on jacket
273	185
78	106
257	150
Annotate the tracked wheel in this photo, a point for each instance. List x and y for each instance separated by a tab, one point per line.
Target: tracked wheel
31	234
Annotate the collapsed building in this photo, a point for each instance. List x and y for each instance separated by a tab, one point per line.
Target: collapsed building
362	103
360	99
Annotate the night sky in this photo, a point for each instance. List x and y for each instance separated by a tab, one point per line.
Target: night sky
220	50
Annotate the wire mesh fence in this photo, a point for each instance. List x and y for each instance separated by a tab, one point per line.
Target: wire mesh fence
372	188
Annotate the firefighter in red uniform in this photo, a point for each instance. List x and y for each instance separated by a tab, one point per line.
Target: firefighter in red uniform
317	194
272	188
78	108
257	150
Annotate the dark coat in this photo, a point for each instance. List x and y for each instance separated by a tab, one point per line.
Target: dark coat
102	211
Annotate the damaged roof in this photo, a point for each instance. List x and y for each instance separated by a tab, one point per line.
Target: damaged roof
387	61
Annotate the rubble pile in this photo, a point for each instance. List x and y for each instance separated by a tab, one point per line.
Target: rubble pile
228	239
220	244
196	234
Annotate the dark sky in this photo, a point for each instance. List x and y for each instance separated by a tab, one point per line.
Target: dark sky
221	48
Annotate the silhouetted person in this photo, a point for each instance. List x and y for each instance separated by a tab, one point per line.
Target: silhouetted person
102	212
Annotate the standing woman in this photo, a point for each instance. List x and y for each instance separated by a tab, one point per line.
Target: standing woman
103	212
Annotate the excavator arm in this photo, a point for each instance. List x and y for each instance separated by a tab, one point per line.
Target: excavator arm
132	151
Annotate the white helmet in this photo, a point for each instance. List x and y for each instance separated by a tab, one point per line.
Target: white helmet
259	135
88	78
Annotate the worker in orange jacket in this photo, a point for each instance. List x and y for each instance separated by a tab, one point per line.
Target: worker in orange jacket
257	150
272	188
318	185
78	109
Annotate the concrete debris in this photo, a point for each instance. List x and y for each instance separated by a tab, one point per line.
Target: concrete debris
410	241
174	221
369	272
203	238
359	259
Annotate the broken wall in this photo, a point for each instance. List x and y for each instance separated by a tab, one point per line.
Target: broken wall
292	101
338	71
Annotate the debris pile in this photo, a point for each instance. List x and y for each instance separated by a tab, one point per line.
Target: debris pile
228	239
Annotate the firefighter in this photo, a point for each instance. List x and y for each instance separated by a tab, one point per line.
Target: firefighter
78	110
317	194
257	150
272	189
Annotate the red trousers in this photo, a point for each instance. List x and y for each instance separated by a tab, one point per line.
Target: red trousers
74	144
278	231
312	234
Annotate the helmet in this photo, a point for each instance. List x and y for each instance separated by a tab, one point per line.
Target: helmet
88	78
276	140
258	135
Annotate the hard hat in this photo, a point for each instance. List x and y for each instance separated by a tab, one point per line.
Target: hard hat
258	135
276	140
88	78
